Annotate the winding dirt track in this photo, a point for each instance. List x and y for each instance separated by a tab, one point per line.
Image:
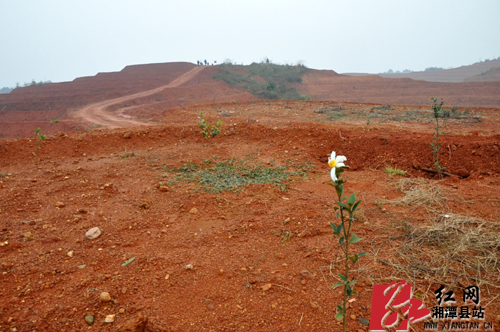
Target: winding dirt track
96	113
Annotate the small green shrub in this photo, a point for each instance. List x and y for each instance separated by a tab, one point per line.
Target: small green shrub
233	175
395	171
208	129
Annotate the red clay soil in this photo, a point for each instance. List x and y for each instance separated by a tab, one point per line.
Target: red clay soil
325	85
262	259
25	109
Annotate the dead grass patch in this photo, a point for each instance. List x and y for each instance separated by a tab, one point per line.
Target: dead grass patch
418	192
450	248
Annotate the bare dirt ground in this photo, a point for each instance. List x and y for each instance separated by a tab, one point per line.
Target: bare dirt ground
96	114
175	256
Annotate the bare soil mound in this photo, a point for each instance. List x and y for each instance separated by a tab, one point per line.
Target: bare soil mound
460	74
138	95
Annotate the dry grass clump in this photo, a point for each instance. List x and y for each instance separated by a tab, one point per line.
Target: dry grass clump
453	246
471	242
417	192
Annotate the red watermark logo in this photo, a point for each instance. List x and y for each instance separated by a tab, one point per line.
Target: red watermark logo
394	307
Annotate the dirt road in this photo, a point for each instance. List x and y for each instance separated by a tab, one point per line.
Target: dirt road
96	114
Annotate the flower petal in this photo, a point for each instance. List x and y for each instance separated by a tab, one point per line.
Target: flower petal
333	175
340	165
332	155
340	159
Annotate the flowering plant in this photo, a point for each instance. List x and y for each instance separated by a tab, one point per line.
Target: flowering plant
345	211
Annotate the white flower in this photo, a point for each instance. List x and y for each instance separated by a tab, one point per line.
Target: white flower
334	163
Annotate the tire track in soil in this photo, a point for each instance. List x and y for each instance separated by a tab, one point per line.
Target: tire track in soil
96	114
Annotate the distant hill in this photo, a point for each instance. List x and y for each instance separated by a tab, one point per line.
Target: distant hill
5	90
460	74
491	75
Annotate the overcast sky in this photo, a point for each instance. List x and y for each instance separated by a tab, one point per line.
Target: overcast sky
60	40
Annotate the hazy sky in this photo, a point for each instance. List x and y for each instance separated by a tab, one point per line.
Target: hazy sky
60	40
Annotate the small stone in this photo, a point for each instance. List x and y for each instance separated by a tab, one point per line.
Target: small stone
105	297
82	211
93	233
71	253
124	290
33	180
462	172
82	266
193	211
127	135
353	317
189	267
281	255
163	188
121	310
498	318
109	319
314	305
60	204
89	319
266	287
303	282
221	272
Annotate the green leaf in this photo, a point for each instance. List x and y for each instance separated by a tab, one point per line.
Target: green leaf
341	240
344	279
330	184
361	254
355	206
342	205
352	199
339	316
337	284
355	239
353	258
128	261
340	308
348	290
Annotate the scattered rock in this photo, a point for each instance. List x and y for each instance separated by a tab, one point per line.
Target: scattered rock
353	317
189	267
127	135
109	319
89	319
163	188
71	253
105	297
124	290
193	211
93	233
364	321
82	211
462	172
60	204
135	325
314	305
145	205
121	310
266	287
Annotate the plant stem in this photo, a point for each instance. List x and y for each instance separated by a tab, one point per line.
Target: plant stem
346	241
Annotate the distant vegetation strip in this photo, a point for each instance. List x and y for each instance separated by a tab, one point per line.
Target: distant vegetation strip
277	84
